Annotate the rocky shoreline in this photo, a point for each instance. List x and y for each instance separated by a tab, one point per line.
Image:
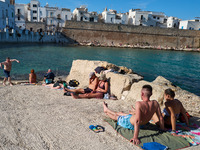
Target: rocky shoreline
138	46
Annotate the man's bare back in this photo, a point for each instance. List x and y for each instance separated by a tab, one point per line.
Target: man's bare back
147	109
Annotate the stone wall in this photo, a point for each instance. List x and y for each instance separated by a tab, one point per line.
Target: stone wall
129	34
29	36
36	26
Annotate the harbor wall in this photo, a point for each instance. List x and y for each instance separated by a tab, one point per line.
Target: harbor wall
113	34
29	36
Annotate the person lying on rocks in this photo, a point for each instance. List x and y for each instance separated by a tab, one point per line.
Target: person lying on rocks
93	82
101	89
144	110
172	110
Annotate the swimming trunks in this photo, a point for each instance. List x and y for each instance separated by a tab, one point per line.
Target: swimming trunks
124	121
7	73
88	90
165	112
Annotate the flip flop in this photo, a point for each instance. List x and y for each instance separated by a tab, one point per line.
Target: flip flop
97	128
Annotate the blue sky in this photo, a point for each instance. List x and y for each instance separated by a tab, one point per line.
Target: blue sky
183	9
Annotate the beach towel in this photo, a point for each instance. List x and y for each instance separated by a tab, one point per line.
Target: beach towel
154	146
191	134
150	133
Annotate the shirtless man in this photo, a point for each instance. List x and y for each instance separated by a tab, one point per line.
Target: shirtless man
93	82
142	114
7	68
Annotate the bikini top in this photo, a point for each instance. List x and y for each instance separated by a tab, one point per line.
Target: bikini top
165	112
103	86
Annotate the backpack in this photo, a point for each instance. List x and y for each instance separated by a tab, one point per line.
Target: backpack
73	83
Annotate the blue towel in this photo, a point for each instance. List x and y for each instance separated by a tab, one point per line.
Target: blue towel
154	146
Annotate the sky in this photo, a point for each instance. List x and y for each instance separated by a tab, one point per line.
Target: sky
183	9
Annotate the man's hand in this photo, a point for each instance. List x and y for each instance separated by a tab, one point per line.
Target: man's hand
135	141
18	61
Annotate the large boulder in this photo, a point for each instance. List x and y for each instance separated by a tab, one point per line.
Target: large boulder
118	82
190	101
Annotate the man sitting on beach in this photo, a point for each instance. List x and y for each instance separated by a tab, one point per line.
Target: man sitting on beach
93	82
49	77
7	68
142	114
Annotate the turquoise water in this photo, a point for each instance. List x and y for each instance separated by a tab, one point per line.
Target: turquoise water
181	68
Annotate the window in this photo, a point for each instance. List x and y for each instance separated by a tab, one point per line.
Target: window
18	17
190	28
141	17
34	5
51	21
158	18
34	18
154	17
34	11
2	13
12	14
6	13
51	14
65	17
18	11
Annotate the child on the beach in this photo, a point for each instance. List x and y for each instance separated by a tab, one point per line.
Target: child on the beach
143	113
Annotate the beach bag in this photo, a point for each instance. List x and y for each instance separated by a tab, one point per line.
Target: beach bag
73	83
106	96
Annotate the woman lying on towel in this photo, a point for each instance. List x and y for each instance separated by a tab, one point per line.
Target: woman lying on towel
172	110
101	89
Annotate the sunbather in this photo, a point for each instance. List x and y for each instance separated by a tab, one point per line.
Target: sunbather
140	116
173	108
101	89
93	82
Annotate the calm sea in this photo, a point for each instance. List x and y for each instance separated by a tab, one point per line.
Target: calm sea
181	68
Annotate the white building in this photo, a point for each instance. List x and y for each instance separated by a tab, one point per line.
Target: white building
35	10
82	14
111	16
7	14
56	18
21	15
190	24
147	18
173	22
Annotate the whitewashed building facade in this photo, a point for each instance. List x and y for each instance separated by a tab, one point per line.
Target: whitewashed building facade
111	16
173	22
7	14
21	15
82	14
56	18
147	18
190	24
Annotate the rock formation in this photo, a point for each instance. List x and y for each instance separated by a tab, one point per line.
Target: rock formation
128	86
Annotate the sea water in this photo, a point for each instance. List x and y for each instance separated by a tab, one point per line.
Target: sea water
181	68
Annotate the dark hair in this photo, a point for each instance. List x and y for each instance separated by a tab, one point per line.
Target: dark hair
7	57
147	87
170	92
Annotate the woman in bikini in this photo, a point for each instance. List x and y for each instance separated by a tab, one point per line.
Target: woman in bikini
172	110
101	89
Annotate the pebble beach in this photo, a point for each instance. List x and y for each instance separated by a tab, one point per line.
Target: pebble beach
37	117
